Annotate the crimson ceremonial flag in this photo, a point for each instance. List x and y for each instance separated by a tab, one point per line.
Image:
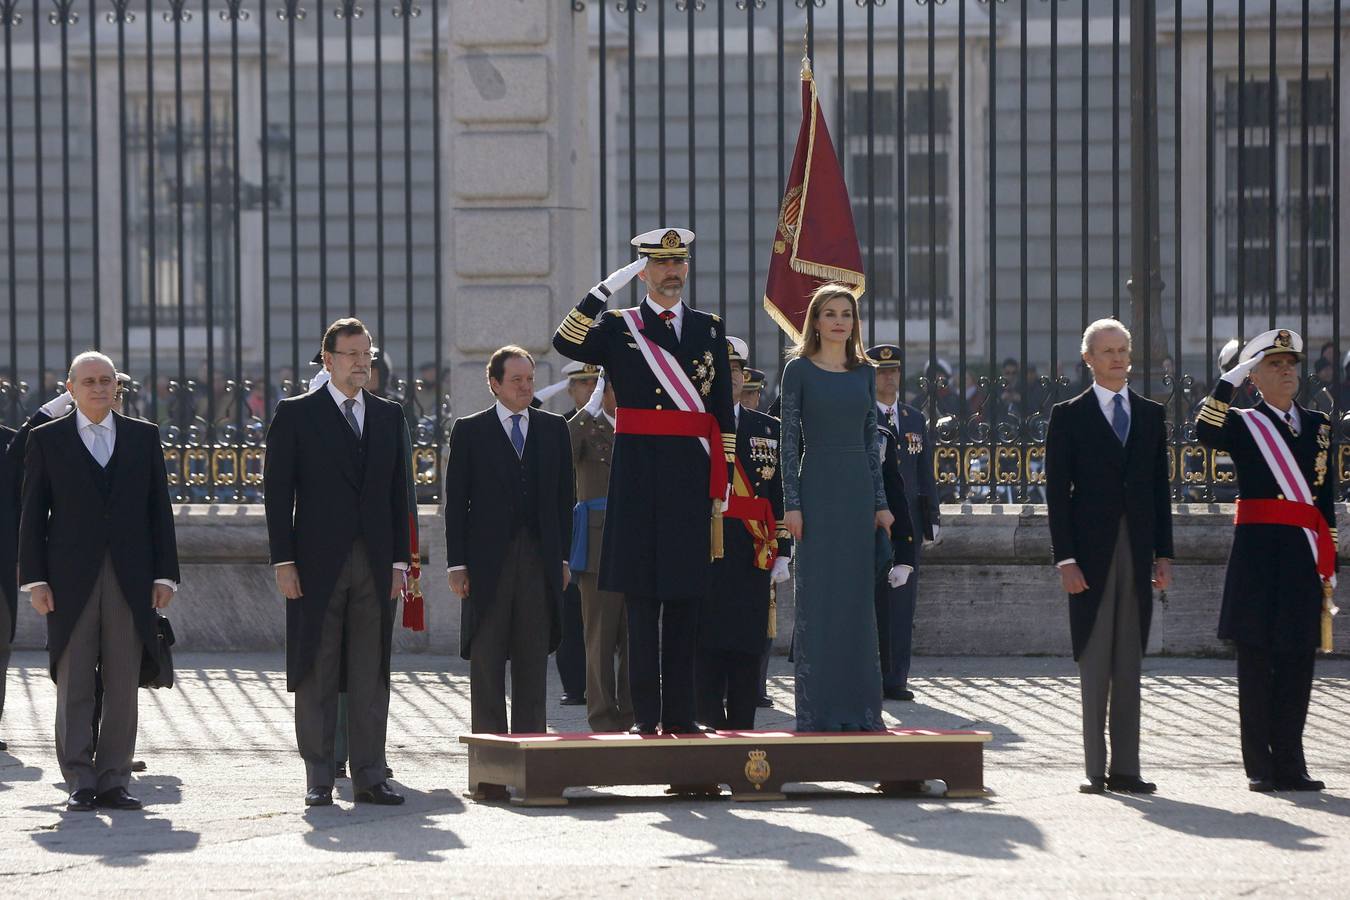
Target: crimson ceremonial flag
815	242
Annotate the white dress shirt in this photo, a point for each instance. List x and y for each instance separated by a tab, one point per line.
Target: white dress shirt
86	429
358	408
677	309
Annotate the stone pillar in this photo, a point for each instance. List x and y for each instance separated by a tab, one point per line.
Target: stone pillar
518	235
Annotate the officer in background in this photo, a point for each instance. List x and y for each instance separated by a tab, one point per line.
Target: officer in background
609	703
753	390
734	618
1282	566
571	655
915	458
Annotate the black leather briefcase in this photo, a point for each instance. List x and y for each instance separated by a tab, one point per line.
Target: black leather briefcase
157	659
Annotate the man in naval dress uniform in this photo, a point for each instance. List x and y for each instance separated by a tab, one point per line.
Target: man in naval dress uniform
895	604
1283	554
734	618
674	447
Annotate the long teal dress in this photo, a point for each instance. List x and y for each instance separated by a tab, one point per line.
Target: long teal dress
837	487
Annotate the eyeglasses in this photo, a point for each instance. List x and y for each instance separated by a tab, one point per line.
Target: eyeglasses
355	355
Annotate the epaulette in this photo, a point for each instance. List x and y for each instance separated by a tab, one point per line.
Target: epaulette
614	312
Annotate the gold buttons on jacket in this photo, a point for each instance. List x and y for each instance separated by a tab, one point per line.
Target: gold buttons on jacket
658	406
658	390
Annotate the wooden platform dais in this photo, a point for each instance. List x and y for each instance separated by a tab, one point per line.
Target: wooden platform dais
538	768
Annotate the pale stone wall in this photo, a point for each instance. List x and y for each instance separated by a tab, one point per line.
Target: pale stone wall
518	183
988	589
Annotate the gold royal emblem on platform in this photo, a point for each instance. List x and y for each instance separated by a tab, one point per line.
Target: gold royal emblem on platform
757	768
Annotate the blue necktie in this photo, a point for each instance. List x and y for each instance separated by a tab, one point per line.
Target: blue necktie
517	436
1120	419
351	416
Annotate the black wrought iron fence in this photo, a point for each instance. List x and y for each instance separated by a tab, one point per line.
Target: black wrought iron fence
1000	162
197	189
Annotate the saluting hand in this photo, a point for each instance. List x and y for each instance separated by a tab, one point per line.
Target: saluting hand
288	581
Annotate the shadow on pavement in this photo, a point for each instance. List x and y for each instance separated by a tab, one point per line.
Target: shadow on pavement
116	838
1198	820
12	769
409	832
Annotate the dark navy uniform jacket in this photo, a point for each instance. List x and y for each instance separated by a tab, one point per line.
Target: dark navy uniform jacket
916	465
658	515
735	611
1272	595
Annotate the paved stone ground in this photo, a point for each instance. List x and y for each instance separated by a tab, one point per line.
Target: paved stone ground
224	813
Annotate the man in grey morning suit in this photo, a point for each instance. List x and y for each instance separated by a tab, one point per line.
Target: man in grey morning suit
1109	498
97	556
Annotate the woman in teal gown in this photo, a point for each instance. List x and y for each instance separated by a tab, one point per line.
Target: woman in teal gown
834	501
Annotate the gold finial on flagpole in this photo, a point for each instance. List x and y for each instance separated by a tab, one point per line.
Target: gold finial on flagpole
806	56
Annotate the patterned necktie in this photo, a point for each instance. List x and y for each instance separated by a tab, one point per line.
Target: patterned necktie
351	417
668	316
1120	420
101	452
517	436
1289	420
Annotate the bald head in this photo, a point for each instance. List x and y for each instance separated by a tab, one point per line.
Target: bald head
92	382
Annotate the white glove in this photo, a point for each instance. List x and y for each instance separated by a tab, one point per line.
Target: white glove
319	380
899	575
59	405
779	573
726	499
1238	374
620	277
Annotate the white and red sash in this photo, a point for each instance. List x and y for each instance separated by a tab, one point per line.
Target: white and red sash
667	369
1283	466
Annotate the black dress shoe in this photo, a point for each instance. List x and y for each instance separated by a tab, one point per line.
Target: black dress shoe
765	703
379	794
573	700
3	746
137	765
388	772
898	694
1094	785
1260	785
686	728
82	800
1303	783
117	798
1129	784
341	771
641	728
319	796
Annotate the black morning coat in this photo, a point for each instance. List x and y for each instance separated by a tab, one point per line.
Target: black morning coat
657	522
1272	595
72	519
9	530
734	614
482	473
322	490
1090	482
